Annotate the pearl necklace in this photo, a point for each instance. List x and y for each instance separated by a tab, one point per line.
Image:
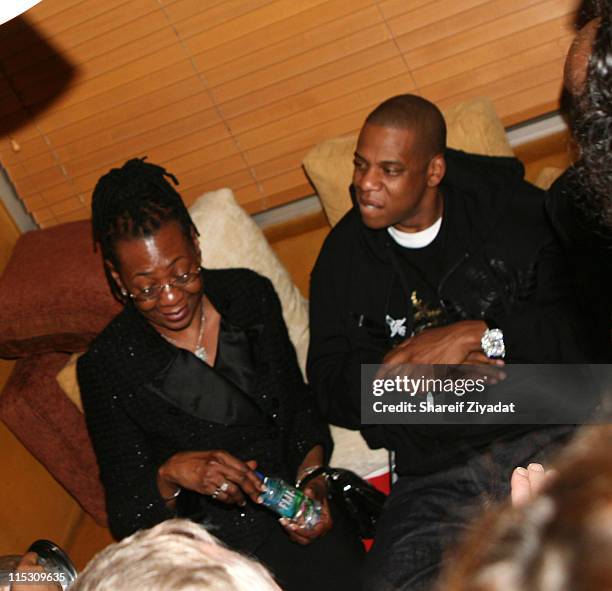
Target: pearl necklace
200	350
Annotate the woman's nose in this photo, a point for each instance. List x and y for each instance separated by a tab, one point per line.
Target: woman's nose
169	294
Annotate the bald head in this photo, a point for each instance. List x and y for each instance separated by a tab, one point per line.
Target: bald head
408	111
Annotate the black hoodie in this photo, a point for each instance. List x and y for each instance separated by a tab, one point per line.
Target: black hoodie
507	269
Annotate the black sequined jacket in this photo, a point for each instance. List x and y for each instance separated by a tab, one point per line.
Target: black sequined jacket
134	431
509	271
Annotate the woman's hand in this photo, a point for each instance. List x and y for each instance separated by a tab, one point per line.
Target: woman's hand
215	473
316	489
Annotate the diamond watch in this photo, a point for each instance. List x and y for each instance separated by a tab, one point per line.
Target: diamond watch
492	343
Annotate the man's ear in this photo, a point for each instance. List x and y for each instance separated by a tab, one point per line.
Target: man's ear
436	170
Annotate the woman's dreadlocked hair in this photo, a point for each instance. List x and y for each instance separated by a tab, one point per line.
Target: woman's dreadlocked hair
591	119
133	202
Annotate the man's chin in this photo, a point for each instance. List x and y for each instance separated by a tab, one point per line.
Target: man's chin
374	223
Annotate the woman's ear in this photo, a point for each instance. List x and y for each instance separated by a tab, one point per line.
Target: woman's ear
196	245
110	268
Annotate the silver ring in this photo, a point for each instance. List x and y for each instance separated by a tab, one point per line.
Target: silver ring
216	493
224	487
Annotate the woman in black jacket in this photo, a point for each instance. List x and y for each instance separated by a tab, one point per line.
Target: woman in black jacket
195	385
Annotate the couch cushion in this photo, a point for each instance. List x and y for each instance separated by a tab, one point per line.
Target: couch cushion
53	429
472	126
547	176
68	382
53	294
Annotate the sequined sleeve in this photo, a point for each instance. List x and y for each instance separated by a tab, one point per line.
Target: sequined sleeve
127	471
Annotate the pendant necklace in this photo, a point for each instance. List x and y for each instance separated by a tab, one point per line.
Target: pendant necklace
200	350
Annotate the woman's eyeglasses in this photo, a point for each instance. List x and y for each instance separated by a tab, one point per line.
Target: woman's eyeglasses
151	293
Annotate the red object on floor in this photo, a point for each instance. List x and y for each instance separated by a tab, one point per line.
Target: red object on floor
382	482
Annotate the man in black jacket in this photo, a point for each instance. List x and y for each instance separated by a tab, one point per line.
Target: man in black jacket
445	258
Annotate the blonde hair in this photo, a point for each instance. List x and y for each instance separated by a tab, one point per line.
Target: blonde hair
176	555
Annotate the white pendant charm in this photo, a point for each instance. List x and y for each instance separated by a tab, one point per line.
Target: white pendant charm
200	353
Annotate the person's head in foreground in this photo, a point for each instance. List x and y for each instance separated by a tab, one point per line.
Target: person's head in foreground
399	164
559	541
588	80
176	555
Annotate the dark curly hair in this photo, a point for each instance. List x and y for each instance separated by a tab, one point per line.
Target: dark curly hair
133	202
591	121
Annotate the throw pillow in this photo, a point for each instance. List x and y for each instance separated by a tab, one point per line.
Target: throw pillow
472	126
53	293
230	238
67	380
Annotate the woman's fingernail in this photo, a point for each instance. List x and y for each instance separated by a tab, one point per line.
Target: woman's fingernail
522	471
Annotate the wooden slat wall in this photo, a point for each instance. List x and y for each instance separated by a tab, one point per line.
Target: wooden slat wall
234	92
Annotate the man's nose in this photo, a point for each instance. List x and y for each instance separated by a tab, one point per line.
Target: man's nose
369	179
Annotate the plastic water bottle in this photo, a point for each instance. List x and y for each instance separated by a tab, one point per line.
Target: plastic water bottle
290	502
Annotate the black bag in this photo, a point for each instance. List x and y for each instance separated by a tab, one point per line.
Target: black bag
362	502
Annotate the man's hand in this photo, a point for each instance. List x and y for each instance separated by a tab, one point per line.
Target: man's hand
445	345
